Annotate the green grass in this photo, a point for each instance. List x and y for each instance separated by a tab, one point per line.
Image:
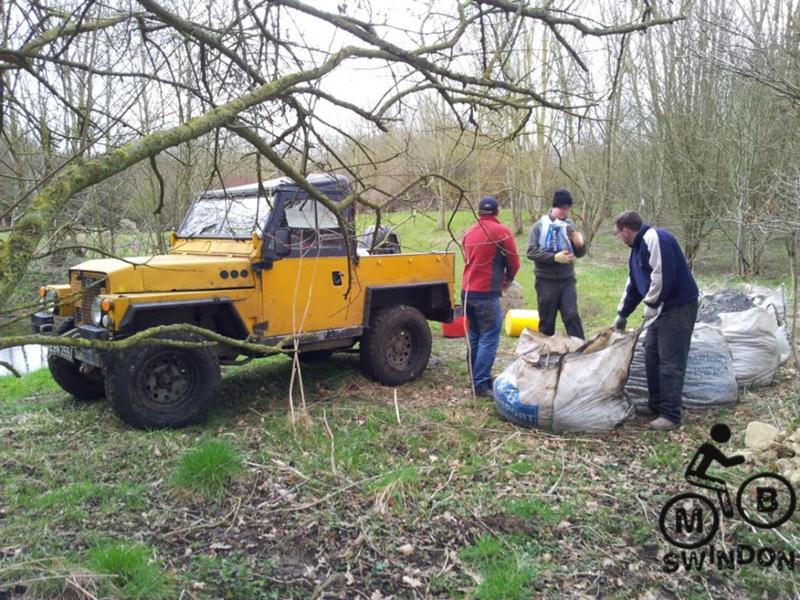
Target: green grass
134	572
235	577
546	512
208	469
38	385
507	581
664	455
71	504
504	575
393	489
485	551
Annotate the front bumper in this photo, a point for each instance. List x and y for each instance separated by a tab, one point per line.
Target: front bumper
42	322
92	332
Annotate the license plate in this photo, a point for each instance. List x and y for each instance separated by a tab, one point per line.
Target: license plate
62	351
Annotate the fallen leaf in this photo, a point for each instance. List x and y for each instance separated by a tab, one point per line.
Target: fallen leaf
411	581
220	546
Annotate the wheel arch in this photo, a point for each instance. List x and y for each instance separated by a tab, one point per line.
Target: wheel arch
432	299
215	314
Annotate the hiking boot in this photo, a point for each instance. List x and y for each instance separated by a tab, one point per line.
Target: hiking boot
663	424
643	410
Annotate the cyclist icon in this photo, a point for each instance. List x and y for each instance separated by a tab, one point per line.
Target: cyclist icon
705	456
690	520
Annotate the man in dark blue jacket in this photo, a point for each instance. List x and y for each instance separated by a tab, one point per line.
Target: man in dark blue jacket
660	277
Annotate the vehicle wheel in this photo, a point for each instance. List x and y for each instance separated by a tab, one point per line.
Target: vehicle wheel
396	346
154	387
315	356
68	375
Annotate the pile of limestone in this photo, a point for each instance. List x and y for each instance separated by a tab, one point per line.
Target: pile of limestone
767	446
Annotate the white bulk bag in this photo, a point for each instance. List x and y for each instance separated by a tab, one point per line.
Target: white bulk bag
572	391
751	338
769	298
710	379
774	301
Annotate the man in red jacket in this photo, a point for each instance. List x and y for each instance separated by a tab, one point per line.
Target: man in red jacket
490	264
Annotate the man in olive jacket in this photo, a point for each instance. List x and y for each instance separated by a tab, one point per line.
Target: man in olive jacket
553	244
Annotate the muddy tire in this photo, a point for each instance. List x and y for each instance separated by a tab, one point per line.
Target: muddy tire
396	346
67	374
153	387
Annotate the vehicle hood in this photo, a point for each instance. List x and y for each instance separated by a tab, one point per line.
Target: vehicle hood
169	273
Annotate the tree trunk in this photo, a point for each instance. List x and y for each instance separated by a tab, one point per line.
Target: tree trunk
791	247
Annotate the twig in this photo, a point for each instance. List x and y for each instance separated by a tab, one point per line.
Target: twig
235	514
283	465
328	496
501	444
397	408
333	443
505	542
72	581
439	574
563	466
369	540
329	579
199	524
295	369
16	373
445	484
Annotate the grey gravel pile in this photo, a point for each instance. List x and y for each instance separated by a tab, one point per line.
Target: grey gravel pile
727	300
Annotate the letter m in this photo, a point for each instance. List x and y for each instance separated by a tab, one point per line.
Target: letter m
683	522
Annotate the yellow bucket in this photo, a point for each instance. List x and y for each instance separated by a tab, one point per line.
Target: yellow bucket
518	319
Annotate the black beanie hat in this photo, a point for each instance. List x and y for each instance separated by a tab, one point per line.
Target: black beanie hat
562	197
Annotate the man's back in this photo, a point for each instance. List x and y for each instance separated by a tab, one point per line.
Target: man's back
490	256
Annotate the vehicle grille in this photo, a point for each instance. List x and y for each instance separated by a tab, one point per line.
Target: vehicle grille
87	286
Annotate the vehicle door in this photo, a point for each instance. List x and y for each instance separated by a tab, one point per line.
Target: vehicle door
304	291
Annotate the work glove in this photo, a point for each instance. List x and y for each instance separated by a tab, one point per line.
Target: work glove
577	238
650	312
564	257
620	322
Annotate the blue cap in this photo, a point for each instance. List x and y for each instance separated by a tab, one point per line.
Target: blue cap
488	206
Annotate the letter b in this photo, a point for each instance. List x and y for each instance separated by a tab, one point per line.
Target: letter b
766	499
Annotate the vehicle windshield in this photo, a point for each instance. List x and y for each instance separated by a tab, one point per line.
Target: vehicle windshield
226	217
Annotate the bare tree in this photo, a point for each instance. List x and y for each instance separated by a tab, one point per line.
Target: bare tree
249	75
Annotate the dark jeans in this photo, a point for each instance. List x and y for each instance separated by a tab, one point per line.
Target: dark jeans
666	353
485	317
553	295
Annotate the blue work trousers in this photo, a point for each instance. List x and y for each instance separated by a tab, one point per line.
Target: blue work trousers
485	317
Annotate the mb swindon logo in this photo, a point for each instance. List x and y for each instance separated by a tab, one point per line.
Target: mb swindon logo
690	521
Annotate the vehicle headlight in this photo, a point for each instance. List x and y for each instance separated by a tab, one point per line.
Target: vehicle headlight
47	301
97	311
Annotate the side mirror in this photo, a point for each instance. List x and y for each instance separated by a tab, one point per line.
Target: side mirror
282	241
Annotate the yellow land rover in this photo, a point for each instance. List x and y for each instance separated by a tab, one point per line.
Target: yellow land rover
263	263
